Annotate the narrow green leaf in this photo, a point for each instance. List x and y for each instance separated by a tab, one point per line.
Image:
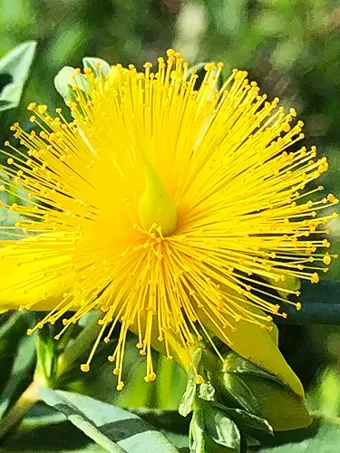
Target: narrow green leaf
240	391
12	333
17	358
47	356
112	428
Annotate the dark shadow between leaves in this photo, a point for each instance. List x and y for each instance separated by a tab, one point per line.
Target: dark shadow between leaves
50	438
284	437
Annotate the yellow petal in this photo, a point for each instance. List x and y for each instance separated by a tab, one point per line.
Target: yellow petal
259	346
279	405
30	278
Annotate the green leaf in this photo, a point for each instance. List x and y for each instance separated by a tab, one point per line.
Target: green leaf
180	440
14	68
112	428
196	433
17	358
47	356
221	428
212	431
11	335
246	419
240	391
239	365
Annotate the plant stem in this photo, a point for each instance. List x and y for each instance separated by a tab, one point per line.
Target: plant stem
18	411
79	345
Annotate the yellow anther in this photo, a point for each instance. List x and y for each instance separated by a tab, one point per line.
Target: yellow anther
331	198
42	108
327	259
85	367
315	278
120	386
31	106
150	377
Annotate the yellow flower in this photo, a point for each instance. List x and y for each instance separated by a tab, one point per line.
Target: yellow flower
178	212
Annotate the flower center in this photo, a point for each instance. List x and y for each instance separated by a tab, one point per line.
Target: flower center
156	206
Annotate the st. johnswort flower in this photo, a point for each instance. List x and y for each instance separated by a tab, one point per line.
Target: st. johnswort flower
179	212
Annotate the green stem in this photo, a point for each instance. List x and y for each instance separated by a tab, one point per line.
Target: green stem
18	411
79	346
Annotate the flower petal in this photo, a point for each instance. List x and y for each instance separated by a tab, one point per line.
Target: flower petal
259	345
281	407
32	277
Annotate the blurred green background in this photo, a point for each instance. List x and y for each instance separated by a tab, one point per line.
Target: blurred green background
291	47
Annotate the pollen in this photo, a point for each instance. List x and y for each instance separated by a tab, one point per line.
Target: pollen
176	210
